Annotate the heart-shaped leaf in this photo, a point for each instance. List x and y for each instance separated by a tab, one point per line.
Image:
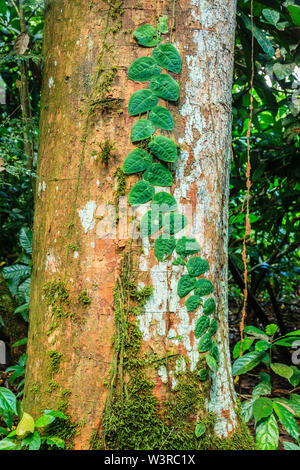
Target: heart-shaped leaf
204	343
209	306
192	303
185	285
140	193
168	57
203	287
143	69
158	175
187	246
141	130
136	161
146	36
165	202
201	326
141	101
164	148
164	247
165	87
161	117
197	266
211	362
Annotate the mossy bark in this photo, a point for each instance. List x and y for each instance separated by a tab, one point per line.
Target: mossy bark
88	353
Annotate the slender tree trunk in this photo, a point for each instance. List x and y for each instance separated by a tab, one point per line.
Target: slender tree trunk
122	363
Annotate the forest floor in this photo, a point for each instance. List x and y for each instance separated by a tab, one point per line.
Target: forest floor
281	387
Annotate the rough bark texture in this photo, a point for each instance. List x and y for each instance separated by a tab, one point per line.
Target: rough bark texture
76	284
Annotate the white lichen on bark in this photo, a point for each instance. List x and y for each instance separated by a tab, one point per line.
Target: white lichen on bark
204	163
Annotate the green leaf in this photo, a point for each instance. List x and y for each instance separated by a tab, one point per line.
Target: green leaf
294	11
164	247
33	442
25	426
201	326
151	222
136	161
203	287
56	414
260	37
214	351
162	118
7	400
140	193
185	285
192	303
145	36
7	444
141	130
262	345
209	306
295	378
44	420
271	329
25	239
247	343
272	16
247	410
287	420
267	434
162	25
211	362
163	148
173	223
290	446
158	175
179	261
165	87
55	441
262	408
213	327
282	369
165	202
264	387
204	343
143	69
247	362
167	56
202	374
187	246
20	342
295	403
199	429
256	332
141	101
197	266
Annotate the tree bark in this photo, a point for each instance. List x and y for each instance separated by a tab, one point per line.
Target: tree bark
119	351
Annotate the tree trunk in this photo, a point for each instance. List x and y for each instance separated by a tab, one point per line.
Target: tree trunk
122	360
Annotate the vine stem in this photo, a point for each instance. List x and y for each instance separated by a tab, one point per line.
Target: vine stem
248	186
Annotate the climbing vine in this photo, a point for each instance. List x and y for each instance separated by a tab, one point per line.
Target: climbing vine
153	158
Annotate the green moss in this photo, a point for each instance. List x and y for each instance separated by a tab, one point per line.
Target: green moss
73	247
106	152
57	296
54	358
52	385
34	388
83	298
63	404
121	182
